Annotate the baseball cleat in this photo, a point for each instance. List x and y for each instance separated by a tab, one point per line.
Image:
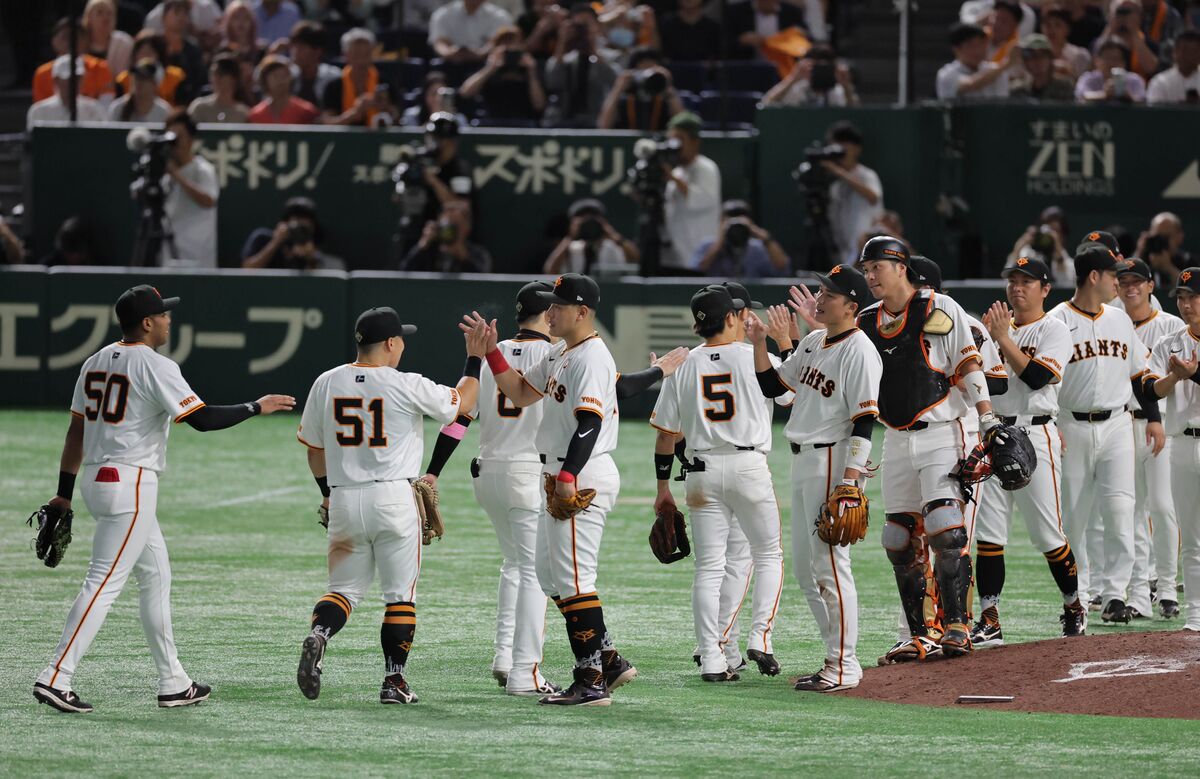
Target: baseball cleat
917	648
956	641
721	676
1095	604
818	683
501	677
739	666
696	659
63	700
308	673
1074	620
618	672
767	664
1135	614
581	692
1117	611
545	688
1170	609
986	632
396	690
1153	591
189	697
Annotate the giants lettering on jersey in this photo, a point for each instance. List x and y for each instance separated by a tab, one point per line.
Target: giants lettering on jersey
1103	348
556	390
811	377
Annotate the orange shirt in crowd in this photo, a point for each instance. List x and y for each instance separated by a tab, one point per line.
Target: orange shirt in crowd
97	79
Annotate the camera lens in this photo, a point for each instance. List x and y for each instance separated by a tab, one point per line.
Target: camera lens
590	230
737	234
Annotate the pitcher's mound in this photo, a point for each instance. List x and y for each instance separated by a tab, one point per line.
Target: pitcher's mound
1155	674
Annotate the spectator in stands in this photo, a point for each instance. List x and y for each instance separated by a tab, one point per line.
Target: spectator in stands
191	201
1180	84
749	25
294	244
182	51
970	76
222	106
279	105
688	35
73	242
450	177
1161	25
540	25
360	97
141	103
1037	80
104	40
643	97
1087	22
12	249
856	197
628	27
591	243
1069	60
436	95
693	196
276	18
150	45
418	13
1125	25
205	17
97	79
1111	80
239	30
816	80
54	108
460	31
1047	240
741	249
577	75
508	84
1004	30
1162	247
445	245
307	52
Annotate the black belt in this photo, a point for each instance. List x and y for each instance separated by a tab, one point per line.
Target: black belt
916	426
1044	419
797	447
1092	416
542	457
1194	432
1139	414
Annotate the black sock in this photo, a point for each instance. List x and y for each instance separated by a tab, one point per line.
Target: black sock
585	630
396	635
1066	576
989	574
330	615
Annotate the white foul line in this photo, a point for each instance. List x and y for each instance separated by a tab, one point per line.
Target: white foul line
256	496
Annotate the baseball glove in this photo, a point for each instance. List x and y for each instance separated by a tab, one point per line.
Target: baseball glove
426	497
565	508
843	518
668	535
1012	455
53	533
974	468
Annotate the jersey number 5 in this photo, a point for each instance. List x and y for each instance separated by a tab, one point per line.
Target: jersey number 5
722	396
107	394
347	412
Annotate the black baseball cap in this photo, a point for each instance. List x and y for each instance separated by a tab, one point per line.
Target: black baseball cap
924	272
739	292
573	289
849	281
1189	279
1033	267
1108	240
379	324
1092	255
1137	267
137	303
714	302
529	303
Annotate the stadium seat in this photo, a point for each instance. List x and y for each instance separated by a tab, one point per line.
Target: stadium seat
689	76
740	107
747	76
690	100
402	74
456	72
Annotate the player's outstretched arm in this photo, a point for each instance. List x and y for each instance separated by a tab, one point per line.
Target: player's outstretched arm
768	378
211	418
780	325
447	441
69	464
518	391
630	384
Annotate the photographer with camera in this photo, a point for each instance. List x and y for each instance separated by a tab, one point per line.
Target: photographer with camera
816	80
1125	25
191	190
1046	241
643	97
591	243
1113	79
692	201
742	249
444	246
1162	247
293	244
578	76
360	98
508	84
856	194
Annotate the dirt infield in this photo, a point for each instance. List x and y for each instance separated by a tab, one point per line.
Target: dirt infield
1120	674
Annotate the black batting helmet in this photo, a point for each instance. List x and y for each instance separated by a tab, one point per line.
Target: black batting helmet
443	124
884	247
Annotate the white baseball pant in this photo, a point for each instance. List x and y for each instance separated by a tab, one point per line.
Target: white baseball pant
1156	541
735	585
568	551
374	527
1038	501
1185	488
917	465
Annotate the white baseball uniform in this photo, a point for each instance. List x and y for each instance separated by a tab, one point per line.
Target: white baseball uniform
993	368
507	481
128	395
1182	423
715	401
369	420
836	382
1156	539
1097	485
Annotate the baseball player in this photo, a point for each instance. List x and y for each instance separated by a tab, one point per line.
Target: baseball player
714	402
835	371
924	338
125	400
578	432
1173	375
1099	380
363	426
1156	540
1035	349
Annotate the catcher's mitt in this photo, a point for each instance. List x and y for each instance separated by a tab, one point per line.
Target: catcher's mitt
668	536
843	518
565	508
1012	455
425	495
53	533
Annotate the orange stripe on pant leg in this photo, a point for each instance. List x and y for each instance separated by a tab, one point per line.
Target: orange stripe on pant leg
1053	479
412	591
779	592
836	582
733	620
574	560
137	505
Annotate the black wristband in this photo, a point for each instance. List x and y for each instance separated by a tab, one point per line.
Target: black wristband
66	485
323	483
471	369
1196	377
255	408
662	465
786	353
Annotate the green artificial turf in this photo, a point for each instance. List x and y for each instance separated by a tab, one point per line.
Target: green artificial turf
238	510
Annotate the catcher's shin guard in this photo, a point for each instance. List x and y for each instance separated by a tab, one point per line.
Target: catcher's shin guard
952	563
909	571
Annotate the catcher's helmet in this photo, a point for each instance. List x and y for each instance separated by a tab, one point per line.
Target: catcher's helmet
443	124
884	247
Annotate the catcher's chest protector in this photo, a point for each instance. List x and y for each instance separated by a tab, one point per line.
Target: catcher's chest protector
910	384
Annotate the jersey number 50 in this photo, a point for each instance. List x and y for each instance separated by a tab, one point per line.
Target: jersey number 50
725	411
348	413
107	394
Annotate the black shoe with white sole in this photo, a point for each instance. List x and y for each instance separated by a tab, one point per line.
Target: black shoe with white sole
721	676
308	674
587	690
1074	620
63	700
396	690
501	677
1095	604
1117	611
545	688
1170	609
818	683
617	671
767	664
189	697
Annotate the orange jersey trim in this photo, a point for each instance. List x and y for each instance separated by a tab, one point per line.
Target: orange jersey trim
188	413
664	430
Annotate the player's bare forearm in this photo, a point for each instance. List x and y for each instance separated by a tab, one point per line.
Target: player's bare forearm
762	357
516	389
1016	359
1164	386
316	462
468	392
